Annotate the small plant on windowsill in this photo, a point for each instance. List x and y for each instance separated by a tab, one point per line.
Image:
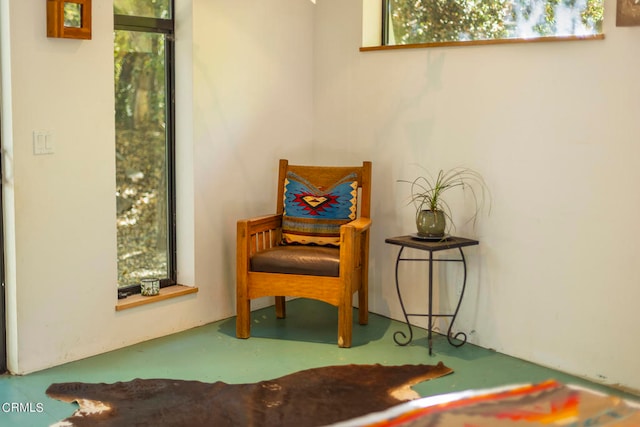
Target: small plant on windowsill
433	214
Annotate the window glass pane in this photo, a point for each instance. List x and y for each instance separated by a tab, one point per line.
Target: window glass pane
141	156
72	15
428	21
146	8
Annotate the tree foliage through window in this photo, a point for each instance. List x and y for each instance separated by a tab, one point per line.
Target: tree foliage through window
143	141
432	21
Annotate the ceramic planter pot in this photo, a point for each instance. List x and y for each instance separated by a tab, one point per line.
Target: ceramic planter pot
431	223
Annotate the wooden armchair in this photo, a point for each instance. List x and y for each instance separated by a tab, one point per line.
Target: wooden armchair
275	259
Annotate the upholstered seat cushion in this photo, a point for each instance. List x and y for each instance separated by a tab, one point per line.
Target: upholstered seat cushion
298	259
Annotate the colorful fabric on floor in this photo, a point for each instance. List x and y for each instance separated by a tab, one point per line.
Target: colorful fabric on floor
546	404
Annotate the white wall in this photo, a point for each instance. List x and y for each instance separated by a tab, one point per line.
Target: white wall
553	128
253	75
244	79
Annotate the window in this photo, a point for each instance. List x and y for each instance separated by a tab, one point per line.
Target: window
144	110
437	21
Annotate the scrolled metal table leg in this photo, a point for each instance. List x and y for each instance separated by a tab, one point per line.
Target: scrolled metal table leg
453	319
404	340
430	314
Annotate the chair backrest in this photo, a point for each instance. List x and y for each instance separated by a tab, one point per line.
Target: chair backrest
324	176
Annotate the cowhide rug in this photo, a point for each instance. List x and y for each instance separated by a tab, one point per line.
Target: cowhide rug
312	397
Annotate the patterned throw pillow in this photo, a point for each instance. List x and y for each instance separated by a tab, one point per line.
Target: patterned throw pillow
314	215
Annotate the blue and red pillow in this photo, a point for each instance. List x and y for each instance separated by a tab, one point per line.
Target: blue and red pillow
314	215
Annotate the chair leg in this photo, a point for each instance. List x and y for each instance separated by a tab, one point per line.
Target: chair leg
363	298
345	324
243	318
363	307
363	292
281	308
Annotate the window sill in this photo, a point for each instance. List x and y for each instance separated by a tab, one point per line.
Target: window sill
482	42
165	293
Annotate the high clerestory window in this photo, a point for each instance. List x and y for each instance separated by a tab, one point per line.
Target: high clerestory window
408	22
145	195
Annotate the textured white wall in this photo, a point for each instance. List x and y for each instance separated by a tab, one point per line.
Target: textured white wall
244	82
553	128
61	245
253	99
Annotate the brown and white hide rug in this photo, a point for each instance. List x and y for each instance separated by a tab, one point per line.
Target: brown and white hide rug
313	397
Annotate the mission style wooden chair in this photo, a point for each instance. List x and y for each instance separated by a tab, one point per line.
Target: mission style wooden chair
310	248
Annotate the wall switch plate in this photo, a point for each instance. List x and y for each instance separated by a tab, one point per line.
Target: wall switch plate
42	142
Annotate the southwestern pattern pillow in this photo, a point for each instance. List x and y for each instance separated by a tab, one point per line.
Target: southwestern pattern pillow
314	215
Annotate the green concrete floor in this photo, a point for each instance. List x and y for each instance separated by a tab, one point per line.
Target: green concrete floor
306	339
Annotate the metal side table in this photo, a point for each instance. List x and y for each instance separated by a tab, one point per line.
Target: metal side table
431	246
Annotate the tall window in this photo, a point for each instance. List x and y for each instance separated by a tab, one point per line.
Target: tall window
144	142
433	21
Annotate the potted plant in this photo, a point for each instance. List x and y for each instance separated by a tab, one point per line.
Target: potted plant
433	214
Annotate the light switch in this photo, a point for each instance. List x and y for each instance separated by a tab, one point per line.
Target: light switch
43	142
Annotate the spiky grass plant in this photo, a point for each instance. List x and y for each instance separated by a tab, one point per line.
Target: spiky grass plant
427	191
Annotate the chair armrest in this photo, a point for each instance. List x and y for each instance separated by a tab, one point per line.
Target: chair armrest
261	223
354	244
257	234
360	224
356	229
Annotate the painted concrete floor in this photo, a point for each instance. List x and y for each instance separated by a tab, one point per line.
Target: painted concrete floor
306	339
